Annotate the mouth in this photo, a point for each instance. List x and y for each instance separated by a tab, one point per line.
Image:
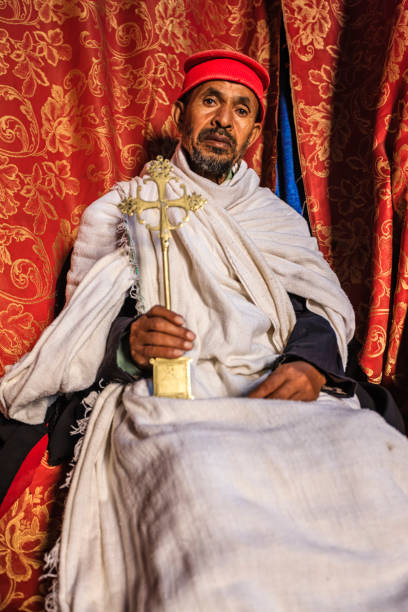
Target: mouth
219	141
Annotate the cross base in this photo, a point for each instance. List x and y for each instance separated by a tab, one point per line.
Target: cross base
171	377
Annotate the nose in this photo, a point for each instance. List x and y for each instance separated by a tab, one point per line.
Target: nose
223	116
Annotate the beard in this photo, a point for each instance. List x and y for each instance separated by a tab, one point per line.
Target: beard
210	160
211	163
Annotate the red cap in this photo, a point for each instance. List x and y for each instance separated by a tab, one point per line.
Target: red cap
224	65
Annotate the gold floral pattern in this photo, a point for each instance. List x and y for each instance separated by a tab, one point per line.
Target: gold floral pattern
4	51
324	79
17	330
61	124
349	74
27	530
84	87
311	20
9	185
172	25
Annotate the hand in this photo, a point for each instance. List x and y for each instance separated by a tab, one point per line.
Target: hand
296	380
158	333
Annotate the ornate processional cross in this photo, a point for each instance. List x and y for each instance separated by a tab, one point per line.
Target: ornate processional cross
160	172
171	377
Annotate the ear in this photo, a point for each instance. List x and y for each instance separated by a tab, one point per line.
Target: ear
256	131
177	113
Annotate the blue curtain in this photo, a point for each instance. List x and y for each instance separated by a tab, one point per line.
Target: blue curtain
289	185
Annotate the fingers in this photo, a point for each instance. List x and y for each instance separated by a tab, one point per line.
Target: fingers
297	380
159	333
267	387
164	313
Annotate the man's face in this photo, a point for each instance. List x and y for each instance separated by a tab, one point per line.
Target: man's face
217	125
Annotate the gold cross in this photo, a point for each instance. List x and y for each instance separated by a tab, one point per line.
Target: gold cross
160	172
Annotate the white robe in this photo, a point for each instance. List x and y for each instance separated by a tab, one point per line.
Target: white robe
221	503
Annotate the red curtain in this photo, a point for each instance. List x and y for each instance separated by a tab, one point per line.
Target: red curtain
85	89
30	523
349	72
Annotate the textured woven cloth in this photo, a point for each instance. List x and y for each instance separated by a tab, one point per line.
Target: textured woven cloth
235	505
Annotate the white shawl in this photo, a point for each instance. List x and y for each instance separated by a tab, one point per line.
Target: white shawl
260	238
231	267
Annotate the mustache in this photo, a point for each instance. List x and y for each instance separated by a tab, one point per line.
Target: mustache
220	132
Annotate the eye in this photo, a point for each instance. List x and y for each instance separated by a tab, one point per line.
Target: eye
209	101
242	111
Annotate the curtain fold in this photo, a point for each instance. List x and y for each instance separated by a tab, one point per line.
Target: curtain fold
85	89
349	67
390	169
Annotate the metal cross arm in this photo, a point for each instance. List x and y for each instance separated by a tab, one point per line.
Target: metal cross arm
160	172
165	226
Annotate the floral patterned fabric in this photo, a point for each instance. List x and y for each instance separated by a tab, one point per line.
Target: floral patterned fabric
85	88
28	529
349	66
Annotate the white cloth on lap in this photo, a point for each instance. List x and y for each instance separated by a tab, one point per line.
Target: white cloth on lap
235	505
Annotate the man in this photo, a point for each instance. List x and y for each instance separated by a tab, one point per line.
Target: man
235	500
218	120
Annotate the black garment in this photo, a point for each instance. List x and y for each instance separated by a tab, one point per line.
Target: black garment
16	441
313	340
378	398
61	416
